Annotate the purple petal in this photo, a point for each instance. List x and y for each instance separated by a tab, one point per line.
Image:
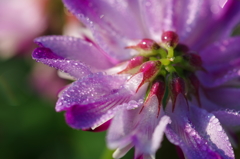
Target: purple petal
100	128
121	17
71	48
119	131
158	16
225	97
113	23
220	16
144	130
72	67
197	132
93	100
221	52
221	61
228	118
185	17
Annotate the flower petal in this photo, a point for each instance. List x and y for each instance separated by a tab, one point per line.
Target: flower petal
113	23
185	17
116	16
88	89
197	132
221	52
158	16
75	49
142	129
221	17
93	100
221	61
225	97
119	153
71	67
228	118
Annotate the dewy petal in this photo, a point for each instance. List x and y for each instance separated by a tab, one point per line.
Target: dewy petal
111	35
116	16
221	52
221	61
186	16
76	49
221	17
197	132
93	100
228	118
71	67
158	16
143	130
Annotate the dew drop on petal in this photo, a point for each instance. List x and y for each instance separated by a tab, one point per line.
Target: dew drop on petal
215	120
219	128
193	133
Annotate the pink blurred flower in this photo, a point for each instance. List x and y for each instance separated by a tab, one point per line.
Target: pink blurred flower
20	22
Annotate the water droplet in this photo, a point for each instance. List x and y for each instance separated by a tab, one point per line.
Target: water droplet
188	130
215	120
193	133
219	128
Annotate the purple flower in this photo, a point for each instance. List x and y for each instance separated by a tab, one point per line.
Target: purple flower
154	67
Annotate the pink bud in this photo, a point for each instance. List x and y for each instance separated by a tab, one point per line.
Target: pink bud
146	44
133	63
193	59
149	70
158	89
182	48
177	86
170	38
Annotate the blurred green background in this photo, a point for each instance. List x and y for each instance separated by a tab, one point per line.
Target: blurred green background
29	126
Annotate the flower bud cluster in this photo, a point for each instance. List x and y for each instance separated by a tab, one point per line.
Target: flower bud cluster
168	67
